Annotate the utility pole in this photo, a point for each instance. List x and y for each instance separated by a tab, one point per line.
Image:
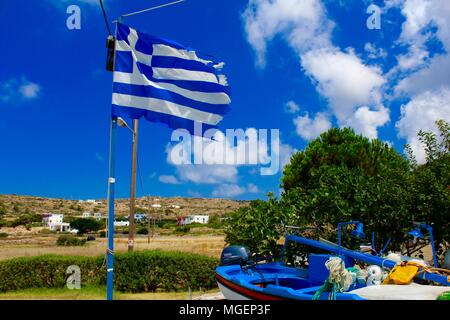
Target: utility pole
133	187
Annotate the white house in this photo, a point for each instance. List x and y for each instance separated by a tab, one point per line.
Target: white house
175	206
87	215
196	218
55	222
157	205
121	223
98	216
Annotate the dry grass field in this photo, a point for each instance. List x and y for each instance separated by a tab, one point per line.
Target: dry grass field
210	245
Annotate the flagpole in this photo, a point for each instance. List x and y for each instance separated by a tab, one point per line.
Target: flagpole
111	194
131	227
111	182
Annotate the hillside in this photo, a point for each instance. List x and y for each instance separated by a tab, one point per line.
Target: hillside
14	205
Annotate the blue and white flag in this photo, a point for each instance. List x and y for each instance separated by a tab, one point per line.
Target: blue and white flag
164	81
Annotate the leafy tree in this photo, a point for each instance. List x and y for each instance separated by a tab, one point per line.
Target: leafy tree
343	176
255	226
84	225
431	184
25	219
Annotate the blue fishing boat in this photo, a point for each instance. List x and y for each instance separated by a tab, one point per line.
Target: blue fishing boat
333	274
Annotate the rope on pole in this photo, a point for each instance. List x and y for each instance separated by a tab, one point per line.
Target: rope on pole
104	16
152	8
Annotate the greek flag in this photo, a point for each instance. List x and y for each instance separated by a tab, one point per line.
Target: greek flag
166	82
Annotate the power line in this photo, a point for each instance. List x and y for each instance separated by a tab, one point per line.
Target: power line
152	8
104	16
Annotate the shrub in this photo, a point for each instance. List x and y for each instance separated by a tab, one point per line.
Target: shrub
182	229
3	235
142	271
84	225
69	240
143	230
102	234
25	219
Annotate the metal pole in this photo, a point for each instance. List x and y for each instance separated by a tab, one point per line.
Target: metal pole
430	232
111	190
133	187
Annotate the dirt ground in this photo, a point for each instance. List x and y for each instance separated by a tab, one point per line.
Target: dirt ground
34	245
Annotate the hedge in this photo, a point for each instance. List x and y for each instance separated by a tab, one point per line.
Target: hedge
141	271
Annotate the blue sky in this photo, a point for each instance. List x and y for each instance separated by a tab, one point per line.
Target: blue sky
300	66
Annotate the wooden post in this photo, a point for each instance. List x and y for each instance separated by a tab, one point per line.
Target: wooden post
131	227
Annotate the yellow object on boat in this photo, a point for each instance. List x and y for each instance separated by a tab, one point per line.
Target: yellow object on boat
402	274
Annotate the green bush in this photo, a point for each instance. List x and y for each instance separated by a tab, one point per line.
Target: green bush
3	235
142	271
25	219
102	234
84	225
69	240
182	229
143	230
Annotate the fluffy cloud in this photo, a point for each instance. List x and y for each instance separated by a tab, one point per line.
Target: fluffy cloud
309	128
201	160
291	107
302	22
169	179
341	77
207	174
234	190
344	80
19	89
424	78
420	114
366	121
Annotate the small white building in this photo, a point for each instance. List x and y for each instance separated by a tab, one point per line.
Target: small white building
121	223
157	205
98	216
86	215
196	218
55	222
175	206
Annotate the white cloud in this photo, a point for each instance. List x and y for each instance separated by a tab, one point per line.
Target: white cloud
233	190
208	174
433	76
427	73
344	80
169	179
228	190
373	52
194	193
420	114
366	121
310	128
15	89
252	188
302	22
341	77
291	107
286	151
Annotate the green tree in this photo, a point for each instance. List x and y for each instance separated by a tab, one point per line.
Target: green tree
255	226
84	225
343	176
430	201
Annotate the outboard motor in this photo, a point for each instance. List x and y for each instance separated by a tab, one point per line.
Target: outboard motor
234	255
